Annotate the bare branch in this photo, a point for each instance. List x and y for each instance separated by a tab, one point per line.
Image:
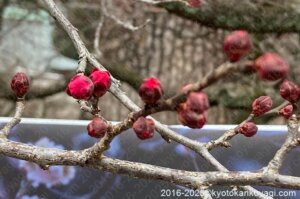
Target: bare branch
291	142
20	105
46	156
228	135
120	22
97	37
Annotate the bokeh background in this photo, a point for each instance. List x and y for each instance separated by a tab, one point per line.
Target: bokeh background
178	45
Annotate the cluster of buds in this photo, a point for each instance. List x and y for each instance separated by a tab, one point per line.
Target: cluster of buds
290	92
269	66
260	106
82	87
193	112
144	128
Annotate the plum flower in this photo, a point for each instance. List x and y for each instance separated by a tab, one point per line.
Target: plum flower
55	175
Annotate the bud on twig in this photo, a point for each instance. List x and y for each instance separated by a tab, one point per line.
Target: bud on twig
20	84
289	91
271	66
261	105
286	111
80	87
197	102
151	90
144	128
97	128
101	80
248	129
236	45
190	118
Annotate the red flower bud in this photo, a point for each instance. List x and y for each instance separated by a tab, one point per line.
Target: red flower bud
195	3
197	102
236	45
97	128
144	128
20	84
286	111
290	91
271	66
101	80
80	87
248	129
151	90
190	118
261	105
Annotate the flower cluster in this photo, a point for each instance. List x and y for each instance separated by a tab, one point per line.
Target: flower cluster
193	112
82	87
96	85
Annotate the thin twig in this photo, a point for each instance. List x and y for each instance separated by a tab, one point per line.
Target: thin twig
20	105
290	143
97	50
120	22
228	135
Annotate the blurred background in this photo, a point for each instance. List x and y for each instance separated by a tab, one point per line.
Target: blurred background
174	42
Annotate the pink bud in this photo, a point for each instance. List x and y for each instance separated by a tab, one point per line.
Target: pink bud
289	91
197	102
151	90
271	66
144	128
190	118
286	111
101	80
80	87
97	128
261	105
248	129
236	45
20	84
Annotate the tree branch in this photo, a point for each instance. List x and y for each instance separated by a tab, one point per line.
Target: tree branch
290	143
235	14
45	156
20	105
